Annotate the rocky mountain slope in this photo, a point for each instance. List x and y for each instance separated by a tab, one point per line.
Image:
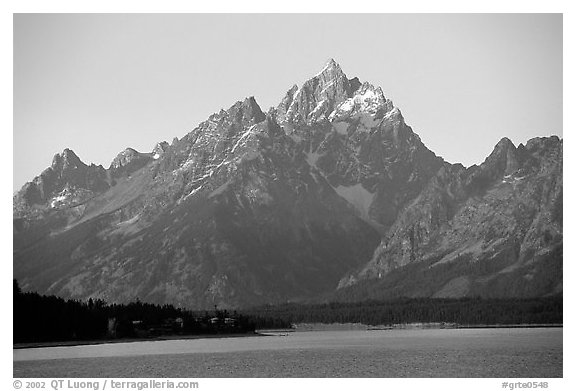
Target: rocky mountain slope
330	194
490	230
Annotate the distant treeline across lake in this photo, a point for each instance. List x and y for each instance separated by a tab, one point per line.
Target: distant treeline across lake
463	311
40	318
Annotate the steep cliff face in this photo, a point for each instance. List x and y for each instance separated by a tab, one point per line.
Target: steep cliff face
329	193
353	137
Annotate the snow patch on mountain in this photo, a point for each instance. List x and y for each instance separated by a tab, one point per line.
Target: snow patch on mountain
220	189
194	191
318	111
357	196
472	248
244	136
129	221
312	158
366	103
293	105
126	227
60	198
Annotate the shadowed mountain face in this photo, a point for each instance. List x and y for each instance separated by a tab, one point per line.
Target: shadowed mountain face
330	194
490	230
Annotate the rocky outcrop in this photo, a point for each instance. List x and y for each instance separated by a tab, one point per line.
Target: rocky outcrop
129	161
67	180
159	149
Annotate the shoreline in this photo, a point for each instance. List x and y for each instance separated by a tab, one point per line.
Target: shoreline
300	328
511	326
304	327
39	345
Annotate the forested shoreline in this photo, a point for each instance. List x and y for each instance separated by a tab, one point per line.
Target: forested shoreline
39	318
463	311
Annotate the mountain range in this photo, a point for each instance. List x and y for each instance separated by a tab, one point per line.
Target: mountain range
330	195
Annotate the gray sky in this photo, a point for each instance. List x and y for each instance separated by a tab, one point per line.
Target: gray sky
100	83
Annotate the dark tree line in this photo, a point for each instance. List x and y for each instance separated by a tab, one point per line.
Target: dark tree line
465	311
40	318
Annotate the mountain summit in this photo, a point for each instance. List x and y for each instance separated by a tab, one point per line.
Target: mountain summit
317	97
329	195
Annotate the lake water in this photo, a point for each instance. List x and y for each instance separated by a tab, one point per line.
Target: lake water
506	352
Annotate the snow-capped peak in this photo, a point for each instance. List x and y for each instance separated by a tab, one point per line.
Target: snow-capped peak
317	97
368	99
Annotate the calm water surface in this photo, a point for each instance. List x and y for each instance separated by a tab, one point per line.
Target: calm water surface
511	353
